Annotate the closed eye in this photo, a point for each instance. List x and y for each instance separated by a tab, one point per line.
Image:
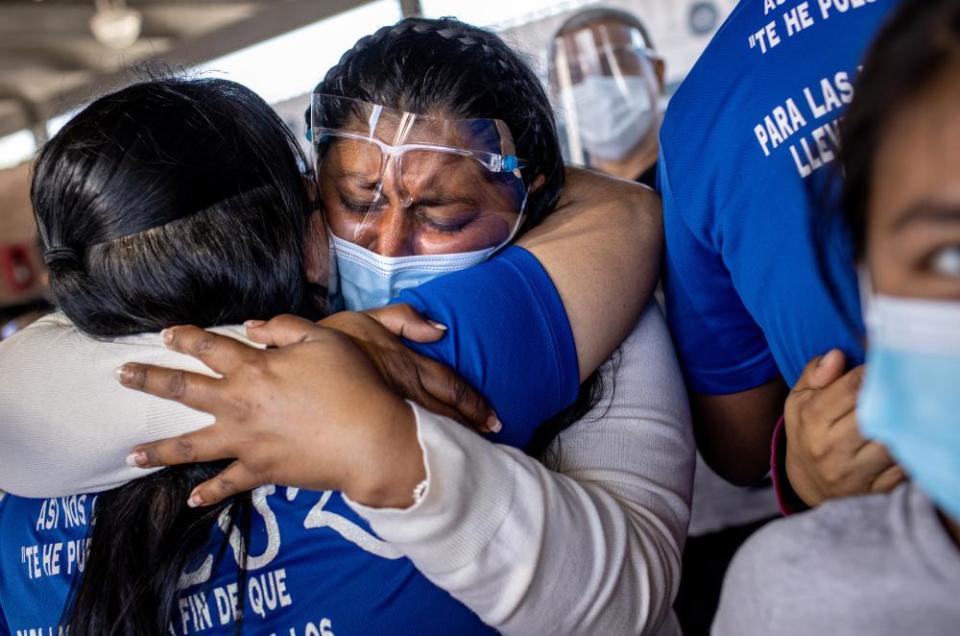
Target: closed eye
444	226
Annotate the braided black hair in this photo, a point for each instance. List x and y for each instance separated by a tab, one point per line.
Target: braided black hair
445	67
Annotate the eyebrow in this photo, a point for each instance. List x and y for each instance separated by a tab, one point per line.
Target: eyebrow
442	199
361	179
927	212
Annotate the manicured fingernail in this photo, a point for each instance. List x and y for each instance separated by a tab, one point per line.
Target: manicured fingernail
824	357
124	374
437	325
195	500
494	425
167	335
137	459
253	324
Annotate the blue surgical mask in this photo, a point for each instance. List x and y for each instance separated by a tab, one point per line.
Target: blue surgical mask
367	280
910	400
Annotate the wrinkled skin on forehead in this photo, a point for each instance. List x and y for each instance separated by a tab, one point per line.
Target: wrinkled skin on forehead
419	201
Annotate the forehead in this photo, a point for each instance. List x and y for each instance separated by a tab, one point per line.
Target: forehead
396	129
919	157
601	32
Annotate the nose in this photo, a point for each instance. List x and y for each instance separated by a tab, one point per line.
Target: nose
394	233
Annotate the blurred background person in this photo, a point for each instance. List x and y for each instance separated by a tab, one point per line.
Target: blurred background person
607	83
22	275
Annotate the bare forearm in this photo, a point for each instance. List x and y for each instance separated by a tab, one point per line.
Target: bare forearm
602	249
734	431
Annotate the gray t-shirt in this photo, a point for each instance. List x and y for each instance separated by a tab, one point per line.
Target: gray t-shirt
878	565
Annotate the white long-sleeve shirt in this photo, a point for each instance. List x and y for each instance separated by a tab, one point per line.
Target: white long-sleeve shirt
591	545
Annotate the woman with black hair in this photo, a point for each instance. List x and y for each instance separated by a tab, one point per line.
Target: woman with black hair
888	563
625	489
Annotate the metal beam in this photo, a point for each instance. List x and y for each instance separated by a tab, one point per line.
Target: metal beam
12	122
41	22
59	5
411	8
45	60
24	117
276	19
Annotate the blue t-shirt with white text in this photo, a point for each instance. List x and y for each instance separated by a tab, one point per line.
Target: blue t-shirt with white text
314	567
759	274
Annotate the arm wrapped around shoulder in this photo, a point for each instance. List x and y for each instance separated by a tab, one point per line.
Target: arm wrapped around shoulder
66	424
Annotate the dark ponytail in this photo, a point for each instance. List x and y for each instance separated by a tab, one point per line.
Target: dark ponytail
143	540
172	201
168	202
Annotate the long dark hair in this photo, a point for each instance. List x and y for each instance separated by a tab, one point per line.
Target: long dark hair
915	47
167	202
446	67
170	201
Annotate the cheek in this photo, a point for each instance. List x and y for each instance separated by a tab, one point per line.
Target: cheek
343	224
887	262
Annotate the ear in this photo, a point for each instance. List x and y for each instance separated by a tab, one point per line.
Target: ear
538	182
310	183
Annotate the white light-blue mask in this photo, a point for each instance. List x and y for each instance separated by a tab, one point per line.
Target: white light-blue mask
613	115
367	280
910	400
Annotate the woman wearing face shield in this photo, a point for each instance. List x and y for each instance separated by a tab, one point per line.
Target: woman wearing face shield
606	81
887	563
409	197
479	539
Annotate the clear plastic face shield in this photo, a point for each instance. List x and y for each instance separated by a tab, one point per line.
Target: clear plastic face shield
605	85
408	197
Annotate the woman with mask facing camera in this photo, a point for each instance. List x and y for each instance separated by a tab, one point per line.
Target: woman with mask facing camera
890	563
624	507
607	83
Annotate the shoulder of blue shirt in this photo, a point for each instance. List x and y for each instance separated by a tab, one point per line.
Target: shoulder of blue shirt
508	335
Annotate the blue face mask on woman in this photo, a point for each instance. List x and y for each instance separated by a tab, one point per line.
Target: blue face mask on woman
910	400
367	280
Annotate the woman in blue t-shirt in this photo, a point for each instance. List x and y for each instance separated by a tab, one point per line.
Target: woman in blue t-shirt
886	563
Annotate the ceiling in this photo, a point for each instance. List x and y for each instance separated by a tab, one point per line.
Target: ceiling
50	61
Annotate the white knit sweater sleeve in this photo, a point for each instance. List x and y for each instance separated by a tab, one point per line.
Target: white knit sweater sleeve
591	547
66	424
